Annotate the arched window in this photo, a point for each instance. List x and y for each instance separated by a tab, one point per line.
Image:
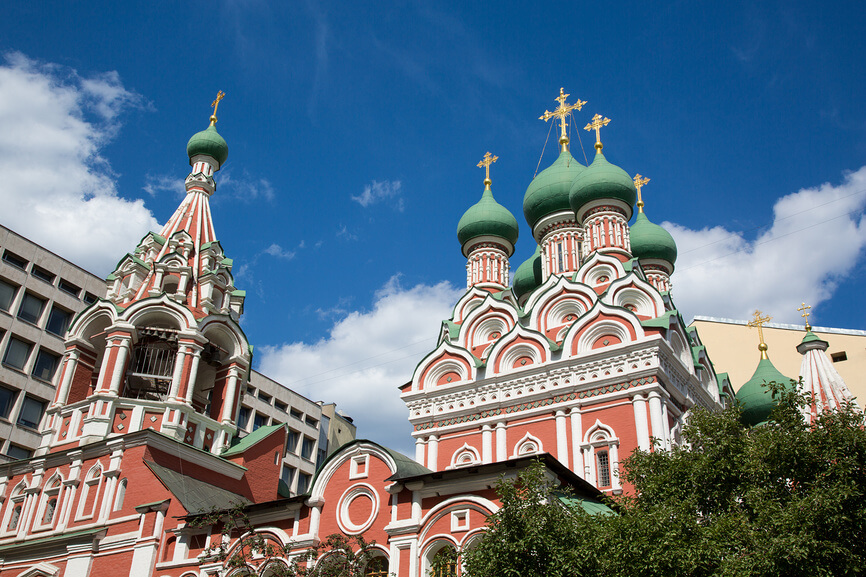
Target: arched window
377	567
89	493
121	494
150	371
444	562
14	507
48	502
602	464
14	517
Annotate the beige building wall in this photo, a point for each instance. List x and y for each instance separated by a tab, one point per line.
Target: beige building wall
733	348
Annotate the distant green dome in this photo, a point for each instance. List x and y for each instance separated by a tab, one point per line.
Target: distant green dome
601	181
649	240
487	218
756	401
527	277
548	192
210	143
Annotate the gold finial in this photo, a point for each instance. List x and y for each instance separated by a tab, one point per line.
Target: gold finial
804	308
596	124
759	321
485	164
220	95
639	181
561	112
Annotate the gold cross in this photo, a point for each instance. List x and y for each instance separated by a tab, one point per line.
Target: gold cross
485	163
639	181
220	95
561	112
596	124
759	321
804	308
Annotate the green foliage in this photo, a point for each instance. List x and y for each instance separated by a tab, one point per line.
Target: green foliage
783	498
242	546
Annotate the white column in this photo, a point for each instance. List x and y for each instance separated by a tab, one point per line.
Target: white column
666	426
103	368
416	506
178	372
614	467
68	372
120	364
419	450
656	417
432	452
576	437
229	399
486	444
501	442
561	438
638	402
193	372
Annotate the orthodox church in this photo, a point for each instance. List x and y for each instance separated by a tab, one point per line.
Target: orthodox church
579	360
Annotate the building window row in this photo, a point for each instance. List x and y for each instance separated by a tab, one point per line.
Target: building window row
30	412
46	276
31	309
18	354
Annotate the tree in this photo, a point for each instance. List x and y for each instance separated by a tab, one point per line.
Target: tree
783	498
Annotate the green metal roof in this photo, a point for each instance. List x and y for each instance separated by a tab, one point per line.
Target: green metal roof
69	536
196	496
210	143
487	218
756	400
650	241
590	506
548	192
241	445
527	277
602	181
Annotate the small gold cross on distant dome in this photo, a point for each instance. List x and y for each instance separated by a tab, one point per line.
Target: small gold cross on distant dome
561	112
485	164
596	124
639	181
220	95
759	322
804	308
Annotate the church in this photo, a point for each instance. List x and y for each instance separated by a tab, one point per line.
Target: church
576	360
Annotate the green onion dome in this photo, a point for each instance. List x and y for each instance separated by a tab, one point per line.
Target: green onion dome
650	241
209	143
548	192
527	277
602	181
487	218
756	400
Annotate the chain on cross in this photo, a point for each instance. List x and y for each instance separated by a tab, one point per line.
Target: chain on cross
561	112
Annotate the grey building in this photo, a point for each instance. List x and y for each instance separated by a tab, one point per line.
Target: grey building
40	293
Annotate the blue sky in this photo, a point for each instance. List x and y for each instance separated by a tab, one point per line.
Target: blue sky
354	130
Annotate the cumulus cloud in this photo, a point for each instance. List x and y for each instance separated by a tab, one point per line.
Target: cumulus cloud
244	187
366	356
155	184
55	184
814	241
277	251
380	191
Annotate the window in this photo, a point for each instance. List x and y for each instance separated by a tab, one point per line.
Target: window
264	397
444	562
377	567
839	357
7	295
31	308
14	259
311	421
297	414
281	406
260	421
243	418
89	298
69	288
45	365
17	452
292	441
602	461
43	274
13	519
251	390
121	494
7	399
287	475
303	483
17	353
31	412
560	256
58	321
307	447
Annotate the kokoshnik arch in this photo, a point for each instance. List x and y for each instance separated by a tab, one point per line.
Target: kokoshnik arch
580	360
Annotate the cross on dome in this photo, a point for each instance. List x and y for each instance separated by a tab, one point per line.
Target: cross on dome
485	164
639	181
561	112
804	308
759	321
595	124
220	95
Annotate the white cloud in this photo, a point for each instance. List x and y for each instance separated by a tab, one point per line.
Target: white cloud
164	183
366	356
379	191
277	251
56	188
244	187
815	240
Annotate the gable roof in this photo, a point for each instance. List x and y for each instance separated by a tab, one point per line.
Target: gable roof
242	444
196	496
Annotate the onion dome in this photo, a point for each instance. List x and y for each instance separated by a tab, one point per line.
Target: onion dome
602	181
209	143
650	241
548	192
487	218
527	277
755	398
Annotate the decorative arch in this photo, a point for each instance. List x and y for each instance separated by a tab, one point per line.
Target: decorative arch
494	315
15	507
636	295
46	512
42	569
446	365
89	494
599	269
519	349
681	349
485	333
601	456
465	456
528	445
341	456
602	326
160	312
